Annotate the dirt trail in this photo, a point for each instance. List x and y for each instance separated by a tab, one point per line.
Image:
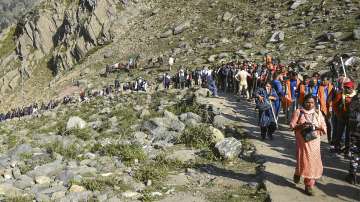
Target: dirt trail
280	159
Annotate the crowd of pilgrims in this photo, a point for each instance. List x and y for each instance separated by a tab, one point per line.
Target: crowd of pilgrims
287	91
139	84
276	88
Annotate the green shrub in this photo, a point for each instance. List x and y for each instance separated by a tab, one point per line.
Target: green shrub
8	44
70	152
157	169
187	105
84	134
151	171
101	183
197	137
12	141
127	153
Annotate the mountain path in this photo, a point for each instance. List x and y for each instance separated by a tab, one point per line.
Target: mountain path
279	156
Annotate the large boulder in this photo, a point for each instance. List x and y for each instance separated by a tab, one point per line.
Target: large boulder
229	148
75	122
164	130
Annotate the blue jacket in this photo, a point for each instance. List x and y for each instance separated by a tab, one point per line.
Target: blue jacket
266	117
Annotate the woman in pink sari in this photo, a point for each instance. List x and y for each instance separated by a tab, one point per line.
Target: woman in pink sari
308	124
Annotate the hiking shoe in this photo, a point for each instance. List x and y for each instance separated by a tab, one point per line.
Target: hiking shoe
309	191
296	179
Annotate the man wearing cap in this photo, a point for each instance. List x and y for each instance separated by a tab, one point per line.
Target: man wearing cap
341	105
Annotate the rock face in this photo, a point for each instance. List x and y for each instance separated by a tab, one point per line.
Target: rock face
66	33
75	122
229	148
164	130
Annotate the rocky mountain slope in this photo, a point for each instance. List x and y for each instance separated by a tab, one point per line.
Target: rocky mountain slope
132	147
58	41
63	46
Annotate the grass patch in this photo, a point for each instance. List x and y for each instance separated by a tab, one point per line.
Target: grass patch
25	156
84	134
12	141
69	152
102	183
239	194
157	169
7	45
127	117
127	153
186	105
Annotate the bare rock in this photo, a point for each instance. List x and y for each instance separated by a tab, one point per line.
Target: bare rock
297	3
76	188
182	27
229	148
227	16
75	122
278	36
356	34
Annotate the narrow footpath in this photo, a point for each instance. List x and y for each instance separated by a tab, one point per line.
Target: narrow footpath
280	158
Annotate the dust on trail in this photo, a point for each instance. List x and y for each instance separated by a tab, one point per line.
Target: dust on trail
279	155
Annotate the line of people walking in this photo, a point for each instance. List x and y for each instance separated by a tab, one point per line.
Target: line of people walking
313	106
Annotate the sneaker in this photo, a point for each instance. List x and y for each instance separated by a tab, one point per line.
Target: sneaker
309	191
296	179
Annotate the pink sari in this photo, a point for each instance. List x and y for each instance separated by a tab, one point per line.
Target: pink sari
308	156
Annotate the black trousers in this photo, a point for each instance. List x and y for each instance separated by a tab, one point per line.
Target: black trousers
268	131
341	127
328	128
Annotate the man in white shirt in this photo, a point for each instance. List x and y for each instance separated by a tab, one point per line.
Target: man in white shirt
171	62
241	76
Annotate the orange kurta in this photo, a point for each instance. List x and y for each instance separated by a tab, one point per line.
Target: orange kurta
308	156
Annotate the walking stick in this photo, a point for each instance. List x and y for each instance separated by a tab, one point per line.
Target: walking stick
254	84
343	66
273	113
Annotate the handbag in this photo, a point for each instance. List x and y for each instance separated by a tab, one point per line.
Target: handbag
263	106
308	132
